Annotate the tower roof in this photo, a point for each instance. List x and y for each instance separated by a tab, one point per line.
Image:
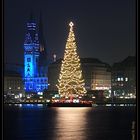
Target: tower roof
40	32
31	17
42	42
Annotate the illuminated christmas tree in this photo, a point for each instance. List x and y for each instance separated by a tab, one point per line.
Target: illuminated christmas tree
70	82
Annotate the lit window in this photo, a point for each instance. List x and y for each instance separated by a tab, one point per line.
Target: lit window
126	79
119	79
28	59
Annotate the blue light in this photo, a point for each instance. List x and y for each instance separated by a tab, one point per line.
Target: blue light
32	81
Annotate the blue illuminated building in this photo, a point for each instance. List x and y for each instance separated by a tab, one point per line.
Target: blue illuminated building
35	58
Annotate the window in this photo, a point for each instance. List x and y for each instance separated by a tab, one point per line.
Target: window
126	79
121	79
28	59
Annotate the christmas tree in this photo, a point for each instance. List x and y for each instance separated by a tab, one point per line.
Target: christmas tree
70	82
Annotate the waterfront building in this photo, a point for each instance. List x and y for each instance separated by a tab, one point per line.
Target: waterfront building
35	58
13	85
124	78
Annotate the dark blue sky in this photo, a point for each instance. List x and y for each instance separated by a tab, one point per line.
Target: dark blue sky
104	29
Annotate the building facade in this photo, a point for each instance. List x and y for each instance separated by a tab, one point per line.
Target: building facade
97	74
13	85
124	78
35	58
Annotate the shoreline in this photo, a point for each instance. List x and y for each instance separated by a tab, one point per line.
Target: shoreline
75	104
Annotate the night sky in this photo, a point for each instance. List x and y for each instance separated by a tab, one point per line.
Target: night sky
104	29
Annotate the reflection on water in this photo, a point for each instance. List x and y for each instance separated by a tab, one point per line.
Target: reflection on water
133	130
38	122
71	123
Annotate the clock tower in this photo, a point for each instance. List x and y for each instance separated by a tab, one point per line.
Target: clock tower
32	80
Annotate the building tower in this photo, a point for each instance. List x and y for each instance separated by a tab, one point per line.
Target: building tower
43	64
33	81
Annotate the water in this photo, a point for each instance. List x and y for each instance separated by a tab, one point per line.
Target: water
38	122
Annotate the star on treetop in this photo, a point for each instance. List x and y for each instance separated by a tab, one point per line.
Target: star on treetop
71	24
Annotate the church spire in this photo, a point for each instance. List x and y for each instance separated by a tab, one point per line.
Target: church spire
41	34
42	44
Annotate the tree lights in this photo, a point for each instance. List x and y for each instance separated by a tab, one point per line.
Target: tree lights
70	82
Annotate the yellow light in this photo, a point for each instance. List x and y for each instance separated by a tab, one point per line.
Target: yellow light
70	79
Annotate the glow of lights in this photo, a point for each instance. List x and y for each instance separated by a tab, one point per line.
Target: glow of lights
75	100
10	88
108	104
70	79
47	101
20	95
16	96
93	97
56	95
119	79
107	97
102	88
41	97
121	97
40	93
20	105
39	105
126	79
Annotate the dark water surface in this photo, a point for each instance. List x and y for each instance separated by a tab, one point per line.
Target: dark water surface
38	122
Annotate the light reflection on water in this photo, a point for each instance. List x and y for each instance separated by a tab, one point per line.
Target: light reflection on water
71	123
38	122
